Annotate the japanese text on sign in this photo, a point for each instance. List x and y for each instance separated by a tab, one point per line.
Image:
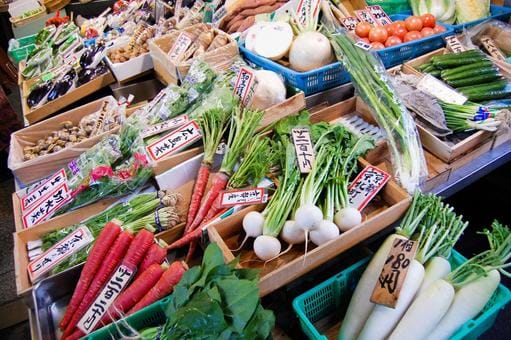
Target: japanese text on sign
387	289
366	185
59	252
350	23
165	126
304	149
454	44
245	85
438	89
174	141
364	15
489	45
379	14
99	307
47	206
303	8
43	189
243	197
182	43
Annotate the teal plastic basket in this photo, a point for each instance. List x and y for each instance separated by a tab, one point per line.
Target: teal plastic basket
151	316
27	45
329	300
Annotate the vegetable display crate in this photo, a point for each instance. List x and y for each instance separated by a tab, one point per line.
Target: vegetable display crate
391	6
26	45
330	299
150	316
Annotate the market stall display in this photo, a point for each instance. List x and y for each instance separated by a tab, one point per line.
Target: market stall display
173	218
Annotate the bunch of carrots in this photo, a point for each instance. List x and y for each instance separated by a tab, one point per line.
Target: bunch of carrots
114	247
242	127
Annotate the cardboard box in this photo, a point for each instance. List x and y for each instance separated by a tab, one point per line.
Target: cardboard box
219	59
385	209
446	152
35	115
32	170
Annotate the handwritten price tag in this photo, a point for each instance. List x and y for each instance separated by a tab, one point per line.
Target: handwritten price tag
304	149
303	9
174	141
40	191
387	289
489	45
245	85
167	125
350	23
366	185
182	43
243	197
45	207
440	90
379	14
104	300
365	15
59	252
454	44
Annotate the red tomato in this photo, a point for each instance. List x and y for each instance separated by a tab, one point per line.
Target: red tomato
362	29
412	35
439	29
426	31
399	23
413	23
392	41
377	45
390	29
428	20
378	34
400	32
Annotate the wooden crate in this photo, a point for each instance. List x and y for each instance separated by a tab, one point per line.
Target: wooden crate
439	148
386	208
35	115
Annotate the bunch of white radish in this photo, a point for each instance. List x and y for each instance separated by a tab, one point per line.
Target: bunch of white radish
450	301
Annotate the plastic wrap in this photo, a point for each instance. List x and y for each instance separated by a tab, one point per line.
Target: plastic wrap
499	31
372	84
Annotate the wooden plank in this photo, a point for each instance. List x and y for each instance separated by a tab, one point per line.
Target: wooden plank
290	106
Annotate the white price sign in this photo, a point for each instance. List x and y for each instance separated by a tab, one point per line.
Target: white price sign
39	192
440	90
304	149
167	125
245	85
182	43
44	208
174	141
243	197
366	185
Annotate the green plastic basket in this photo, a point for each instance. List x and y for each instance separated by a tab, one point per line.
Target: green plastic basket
151	316
391	6
27	45
332	297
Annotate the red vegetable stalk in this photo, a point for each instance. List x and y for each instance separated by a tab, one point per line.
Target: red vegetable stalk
103	243
163	287
134	293
109	264
213	125
155	255
138	249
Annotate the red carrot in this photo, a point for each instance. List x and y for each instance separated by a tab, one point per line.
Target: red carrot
198	191
155	255
133	294
216	207
109	264
138	249
77	334
101	246
163	287
183	241
219	183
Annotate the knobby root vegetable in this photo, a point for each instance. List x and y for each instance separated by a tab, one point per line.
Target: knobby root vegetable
360	306
437	268
383	319
347	218
425	312
468	302
102	245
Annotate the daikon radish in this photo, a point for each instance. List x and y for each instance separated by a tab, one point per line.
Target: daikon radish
274	40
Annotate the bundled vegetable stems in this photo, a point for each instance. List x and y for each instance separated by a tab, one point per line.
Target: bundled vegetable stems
451	300
470	116
241	131
370	82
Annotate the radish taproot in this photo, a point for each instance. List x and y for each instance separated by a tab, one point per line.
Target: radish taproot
347	218
270	90
274	40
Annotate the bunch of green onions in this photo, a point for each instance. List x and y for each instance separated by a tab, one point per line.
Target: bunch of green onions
470	116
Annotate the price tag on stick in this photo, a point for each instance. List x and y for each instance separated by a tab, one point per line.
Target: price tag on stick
304	149
489	45
243	197
454	44
174	141
366	185
387	289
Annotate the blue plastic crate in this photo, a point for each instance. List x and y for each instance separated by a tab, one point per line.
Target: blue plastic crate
331	298
334	74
